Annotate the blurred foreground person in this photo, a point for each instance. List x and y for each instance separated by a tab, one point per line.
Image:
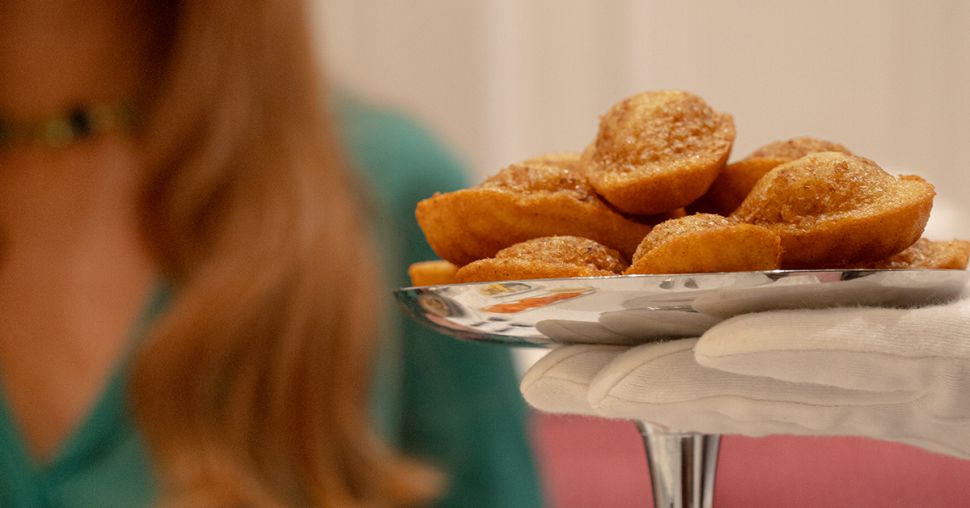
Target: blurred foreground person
188	292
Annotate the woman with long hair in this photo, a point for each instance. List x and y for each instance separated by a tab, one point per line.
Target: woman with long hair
187	285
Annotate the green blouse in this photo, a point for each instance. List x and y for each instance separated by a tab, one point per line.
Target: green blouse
454	404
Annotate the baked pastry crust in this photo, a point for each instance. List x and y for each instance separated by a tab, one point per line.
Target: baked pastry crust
567	160
736	180
831	209
657	151
432	273
927	254
522	202
545	258
706	243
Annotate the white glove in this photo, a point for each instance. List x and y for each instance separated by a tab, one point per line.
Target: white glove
896	374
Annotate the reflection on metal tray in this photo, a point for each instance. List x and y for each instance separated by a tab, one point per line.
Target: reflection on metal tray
634	309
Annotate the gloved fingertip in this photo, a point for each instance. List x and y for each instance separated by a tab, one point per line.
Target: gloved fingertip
559	381
551	395
569	361
620	369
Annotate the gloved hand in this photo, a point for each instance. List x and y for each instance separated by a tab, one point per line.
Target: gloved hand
896	374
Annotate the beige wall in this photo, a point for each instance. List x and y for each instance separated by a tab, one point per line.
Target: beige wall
504	79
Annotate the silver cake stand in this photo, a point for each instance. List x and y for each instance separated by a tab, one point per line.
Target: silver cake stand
636	309
682	465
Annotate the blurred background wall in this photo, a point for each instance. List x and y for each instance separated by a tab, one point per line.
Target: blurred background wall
500	80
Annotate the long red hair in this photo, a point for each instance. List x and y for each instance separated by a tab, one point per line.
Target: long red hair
252	389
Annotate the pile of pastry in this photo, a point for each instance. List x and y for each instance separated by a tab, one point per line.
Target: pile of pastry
655	194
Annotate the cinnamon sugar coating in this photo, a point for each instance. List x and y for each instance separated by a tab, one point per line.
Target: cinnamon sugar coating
657	151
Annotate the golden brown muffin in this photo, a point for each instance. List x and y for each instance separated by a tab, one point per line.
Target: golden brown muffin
833	209
567	160
432	273
928	254
521	202
658	151
706	243
738	178
545	258
796	148
653	220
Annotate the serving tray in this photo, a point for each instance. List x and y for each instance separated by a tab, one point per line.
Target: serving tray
635	309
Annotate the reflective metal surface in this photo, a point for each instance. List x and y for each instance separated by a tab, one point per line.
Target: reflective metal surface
636	309
682	467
